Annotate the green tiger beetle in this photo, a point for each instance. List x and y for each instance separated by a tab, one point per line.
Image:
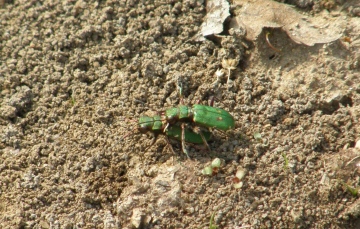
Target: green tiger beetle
200	115
206	116
174	123
158	125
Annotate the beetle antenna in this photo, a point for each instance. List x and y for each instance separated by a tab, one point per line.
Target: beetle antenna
133	131
179	87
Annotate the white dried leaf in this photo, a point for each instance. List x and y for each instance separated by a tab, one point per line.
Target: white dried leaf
217	12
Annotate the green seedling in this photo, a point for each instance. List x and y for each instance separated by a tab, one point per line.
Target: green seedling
211	225
353	191
286	161
257	136
213	169
207	171
72	100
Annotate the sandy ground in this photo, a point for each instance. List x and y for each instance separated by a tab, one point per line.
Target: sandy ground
76	75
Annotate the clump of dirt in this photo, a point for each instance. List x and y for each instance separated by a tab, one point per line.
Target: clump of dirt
76	75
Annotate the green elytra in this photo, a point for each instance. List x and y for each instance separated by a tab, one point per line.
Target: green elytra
206	116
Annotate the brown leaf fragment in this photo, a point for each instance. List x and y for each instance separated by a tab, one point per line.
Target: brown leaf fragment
302	29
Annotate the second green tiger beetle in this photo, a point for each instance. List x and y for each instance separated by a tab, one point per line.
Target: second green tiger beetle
199	116
158	125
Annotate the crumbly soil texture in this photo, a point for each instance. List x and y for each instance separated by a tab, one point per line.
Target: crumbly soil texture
75	76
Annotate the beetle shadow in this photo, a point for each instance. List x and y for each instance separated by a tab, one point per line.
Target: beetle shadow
231	145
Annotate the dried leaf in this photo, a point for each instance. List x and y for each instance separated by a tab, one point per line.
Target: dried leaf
217	12
302	29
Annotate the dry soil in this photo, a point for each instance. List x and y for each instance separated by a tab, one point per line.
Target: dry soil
76	75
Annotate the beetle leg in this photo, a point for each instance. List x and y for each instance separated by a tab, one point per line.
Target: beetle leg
169	144
198	131
155	136
183	140
167	125
154	139
204	140
211	101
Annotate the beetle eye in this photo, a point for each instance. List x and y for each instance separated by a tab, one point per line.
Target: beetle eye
171	119
143	129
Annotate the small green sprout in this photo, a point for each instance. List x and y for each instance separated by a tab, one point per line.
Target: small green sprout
286	161
257	136
72	100
216	163
207	171
213	169
211	225
353	191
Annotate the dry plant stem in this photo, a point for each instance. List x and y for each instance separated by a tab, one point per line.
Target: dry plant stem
227	82
219	73
229	64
